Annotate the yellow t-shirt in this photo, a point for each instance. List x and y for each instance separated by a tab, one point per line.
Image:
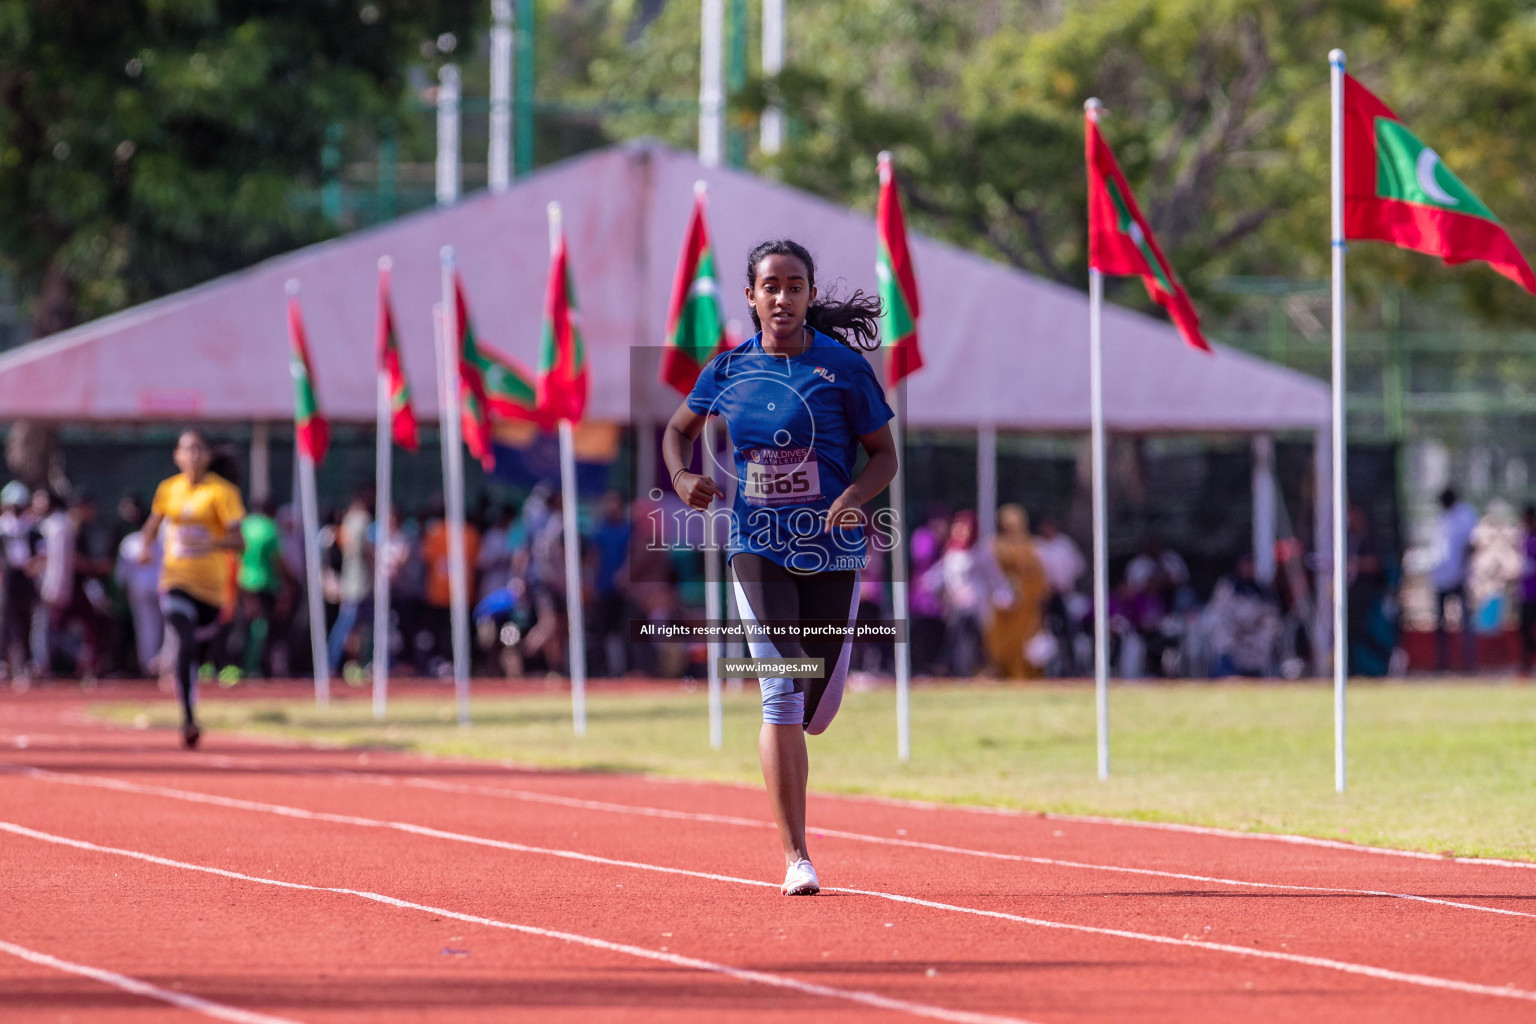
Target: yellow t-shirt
195	516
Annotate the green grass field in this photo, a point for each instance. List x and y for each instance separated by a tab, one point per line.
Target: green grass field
1444	767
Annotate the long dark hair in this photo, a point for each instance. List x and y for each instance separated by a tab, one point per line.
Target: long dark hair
223	460
854	321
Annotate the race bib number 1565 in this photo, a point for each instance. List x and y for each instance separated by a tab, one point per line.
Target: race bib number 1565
782	476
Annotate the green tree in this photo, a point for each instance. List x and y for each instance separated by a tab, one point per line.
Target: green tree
147	145
1218	109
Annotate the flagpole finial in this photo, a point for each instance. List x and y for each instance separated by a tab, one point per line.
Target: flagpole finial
386	264
555	224
1093	107
292	287
883	165
1336	56
884	157
700	187
446	254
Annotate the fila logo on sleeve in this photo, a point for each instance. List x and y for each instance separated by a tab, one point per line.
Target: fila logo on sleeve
829	375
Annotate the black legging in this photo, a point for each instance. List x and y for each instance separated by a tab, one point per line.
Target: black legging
775	593
195	623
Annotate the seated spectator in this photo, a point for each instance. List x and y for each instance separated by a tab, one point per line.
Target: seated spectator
1242	624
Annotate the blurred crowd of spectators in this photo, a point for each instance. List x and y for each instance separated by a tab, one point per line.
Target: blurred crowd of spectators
77	600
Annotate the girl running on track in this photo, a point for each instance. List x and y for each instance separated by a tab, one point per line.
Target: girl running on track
201	512
799	401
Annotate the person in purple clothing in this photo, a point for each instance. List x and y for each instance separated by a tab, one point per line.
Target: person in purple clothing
926	602
1528	593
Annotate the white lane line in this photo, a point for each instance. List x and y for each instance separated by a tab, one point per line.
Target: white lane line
1508	991
1384	973
196	1004
674	959
929	805
726	819
1171	826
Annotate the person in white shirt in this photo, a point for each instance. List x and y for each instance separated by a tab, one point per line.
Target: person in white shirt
140	579
1064	566
56	579
1457	521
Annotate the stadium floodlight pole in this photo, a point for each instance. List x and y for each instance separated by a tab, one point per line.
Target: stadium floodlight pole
498	163
771	129
577	633
1340	523
383	486
447	136
309	511
712	83
1100	525
448	329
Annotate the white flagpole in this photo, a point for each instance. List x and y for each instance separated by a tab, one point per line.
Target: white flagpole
453	485
310	514
898	565
575	612
712	83
382	487
771	132
448	174
712	612
499	158
899	582
1340	566
1100	526
578	629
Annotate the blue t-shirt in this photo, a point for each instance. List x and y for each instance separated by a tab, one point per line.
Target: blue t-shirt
795	424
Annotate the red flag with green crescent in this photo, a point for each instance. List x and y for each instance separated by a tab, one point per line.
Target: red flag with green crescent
402	417
1397	190
492	385
695	328
1120	241
897	282
314	433
474	404
562	381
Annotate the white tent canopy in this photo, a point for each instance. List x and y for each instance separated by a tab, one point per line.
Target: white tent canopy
1004	349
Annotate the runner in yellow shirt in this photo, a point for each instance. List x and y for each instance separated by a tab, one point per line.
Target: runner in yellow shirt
201	513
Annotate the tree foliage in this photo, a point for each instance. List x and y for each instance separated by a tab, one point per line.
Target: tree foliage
147	145
1218	109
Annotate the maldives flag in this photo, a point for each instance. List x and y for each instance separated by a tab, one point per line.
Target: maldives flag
474	404
898	285
1397	190
562	381
314	433
695	329
402	418
1120	241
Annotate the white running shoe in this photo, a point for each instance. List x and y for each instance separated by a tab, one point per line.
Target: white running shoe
801	880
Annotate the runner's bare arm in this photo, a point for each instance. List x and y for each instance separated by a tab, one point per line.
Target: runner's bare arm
847	508
151	531
677	440
233	539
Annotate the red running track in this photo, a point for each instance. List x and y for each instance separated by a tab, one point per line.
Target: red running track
255	881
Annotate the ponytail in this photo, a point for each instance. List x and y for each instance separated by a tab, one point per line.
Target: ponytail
857	316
